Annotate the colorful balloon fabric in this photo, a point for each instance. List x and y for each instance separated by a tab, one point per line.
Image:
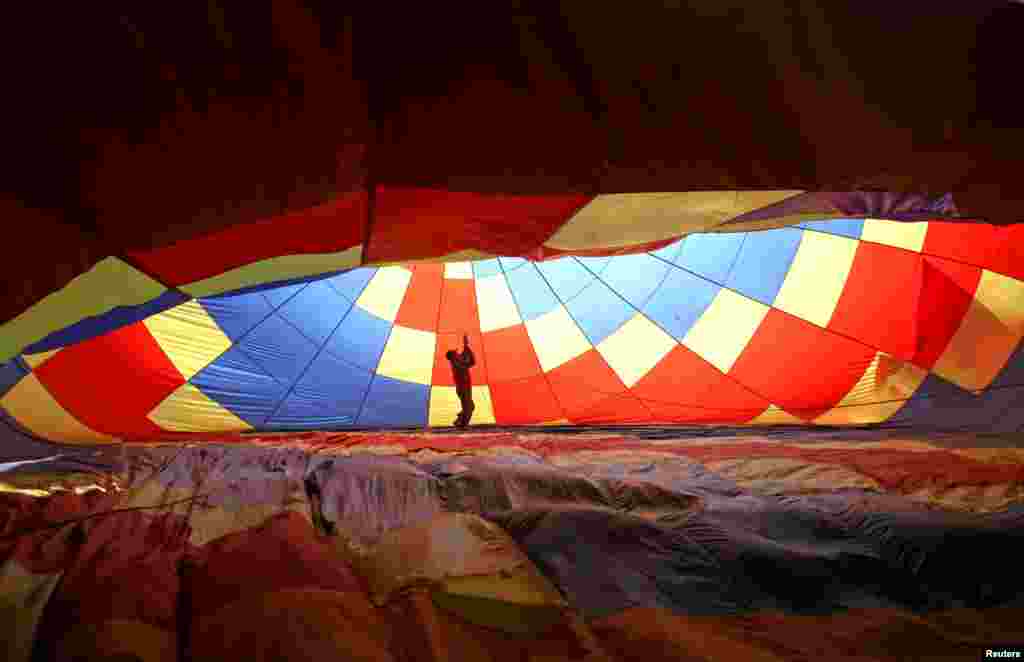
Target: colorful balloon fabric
832	322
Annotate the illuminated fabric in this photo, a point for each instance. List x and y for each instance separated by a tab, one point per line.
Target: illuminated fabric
834	322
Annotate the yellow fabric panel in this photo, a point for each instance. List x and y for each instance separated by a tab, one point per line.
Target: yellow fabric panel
384	293
445	406
409	355
463	270
189	337
776	416
285	267
36	360
774	222
23	595
882	390
189	410
627	219
518	587
556	338
725	328
36	410
110	283
495	304
635	348
909	236
27	491
989	333
817	276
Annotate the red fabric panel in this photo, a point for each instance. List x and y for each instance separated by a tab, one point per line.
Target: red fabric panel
947	290
996	248
458	306
510	354
684	388
327	228
878	306
413	223
123	553
624	409
419	309
45	550
527	400
799	366
284	552
582	383
453	341
111	382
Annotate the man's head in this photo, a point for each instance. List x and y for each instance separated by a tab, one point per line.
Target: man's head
450	355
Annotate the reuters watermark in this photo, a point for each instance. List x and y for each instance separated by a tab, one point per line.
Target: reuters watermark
1004	653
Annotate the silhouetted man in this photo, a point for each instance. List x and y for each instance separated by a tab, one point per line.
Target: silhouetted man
461	363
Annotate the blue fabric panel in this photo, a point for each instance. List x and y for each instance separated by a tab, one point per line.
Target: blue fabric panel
278	295
846	227
239	385
279	348
352	283
91	327
360	339
485	268
328	395
316	311
276	285
236	315
11	373
680	301
394	403
711	255
511	263
763	262
599	312
670	252
531	292
595	264
635	277
566	276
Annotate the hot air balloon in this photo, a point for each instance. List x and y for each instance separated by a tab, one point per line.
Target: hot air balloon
747	334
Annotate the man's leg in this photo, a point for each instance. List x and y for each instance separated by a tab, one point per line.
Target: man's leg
466	399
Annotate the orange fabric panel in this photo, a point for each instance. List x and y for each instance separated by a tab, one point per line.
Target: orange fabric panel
453	341
685	388
284	552
510	354
419	309
111	382
993	247
618	410
119	589
878	305
947	290
458	307
800	367
415	223
583	382
327	228
306	623
525	401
